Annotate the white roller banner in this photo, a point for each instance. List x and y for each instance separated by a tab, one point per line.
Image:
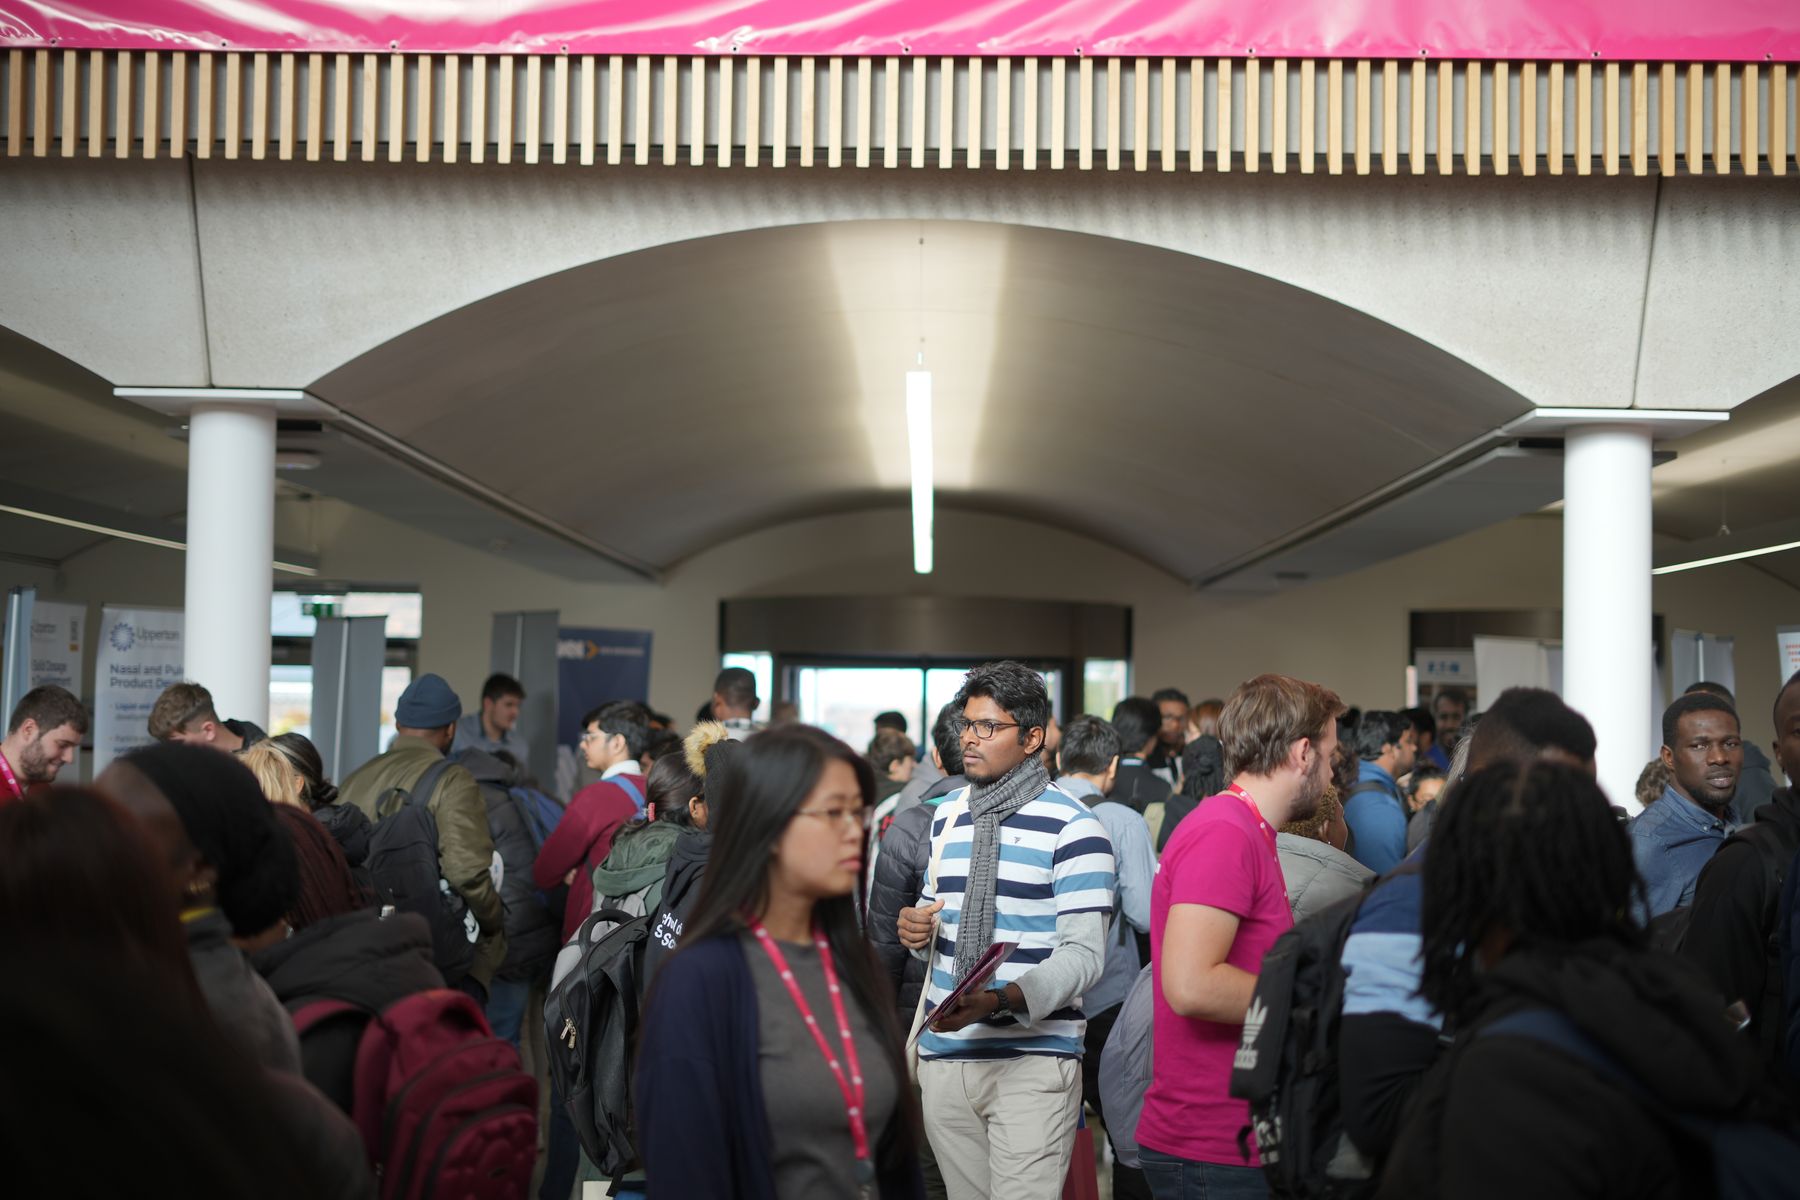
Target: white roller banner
58	632
140	654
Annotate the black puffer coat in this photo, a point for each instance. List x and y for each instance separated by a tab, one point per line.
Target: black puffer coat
350	828
533	919
899	874
359	958
680	893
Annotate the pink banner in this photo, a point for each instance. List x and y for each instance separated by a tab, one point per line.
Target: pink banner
1682	30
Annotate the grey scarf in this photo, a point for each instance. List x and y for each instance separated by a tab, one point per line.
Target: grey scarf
989	805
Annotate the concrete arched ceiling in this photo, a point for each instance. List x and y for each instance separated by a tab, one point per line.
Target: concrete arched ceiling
663	401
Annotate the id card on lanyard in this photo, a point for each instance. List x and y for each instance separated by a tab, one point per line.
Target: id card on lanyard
850	1083
9	783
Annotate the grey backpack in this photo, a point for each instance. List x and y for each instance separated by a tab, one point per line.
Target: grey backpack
1125	1067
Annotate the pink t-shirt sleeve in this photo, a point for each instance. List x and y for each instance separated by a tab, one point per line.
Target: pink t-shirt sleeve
1219	869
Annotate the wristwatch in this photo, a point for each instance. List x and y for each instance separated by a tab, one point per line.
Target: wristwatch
1004	1007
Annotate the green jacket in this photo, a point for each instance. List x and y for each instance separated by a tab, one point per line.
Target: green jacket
465	849
639	859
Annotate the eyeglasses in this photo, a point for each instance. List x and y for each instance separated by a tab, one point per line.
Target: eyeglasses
840	818
984	730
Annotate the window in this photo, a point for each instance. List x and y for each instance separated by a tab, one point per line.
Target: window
845	700
405	611
763	667
291	672
1104	682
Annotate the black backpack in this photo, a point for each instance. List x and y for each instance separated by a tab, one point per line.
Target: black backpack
1668	931
591	1028
404	868
1751	1159
1287	1066
533	918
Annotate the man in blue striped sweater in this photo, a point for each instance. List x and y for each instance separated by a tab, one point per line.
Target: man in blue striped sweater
1019	861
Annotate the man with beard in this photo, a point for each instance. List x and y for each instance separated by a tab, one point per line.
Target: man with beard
1703	748
41	739
1216	908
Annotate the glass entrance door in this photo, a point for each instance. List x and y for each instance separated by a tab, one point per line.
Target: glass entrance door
845	700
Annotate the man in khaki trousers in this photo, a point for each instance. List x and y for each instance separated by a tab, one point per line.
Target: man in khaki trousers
1019	861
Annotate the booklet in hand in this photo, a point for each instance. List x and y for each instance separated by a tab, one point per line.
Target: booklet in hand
978	976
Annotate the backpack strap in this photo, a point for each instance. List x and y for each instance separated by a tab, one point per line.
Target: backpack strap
1552	1028
1368	786
630	788
421	791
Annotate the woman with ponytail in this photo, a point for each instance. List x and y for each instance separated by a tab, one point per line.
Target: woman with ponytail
712	757
632	876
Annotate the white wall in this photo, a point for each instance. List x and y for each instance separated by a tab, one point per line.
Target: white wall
1350	633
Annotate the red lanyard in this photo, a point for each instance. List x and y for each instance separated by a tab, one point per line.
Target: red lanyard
851	1086
1261	821
11	780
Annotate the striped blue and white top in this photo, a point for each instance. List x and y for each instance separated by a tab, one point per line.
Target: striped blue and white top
1055	860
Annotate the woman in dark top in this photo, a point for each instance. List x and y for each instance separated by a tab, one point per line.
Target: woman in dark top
739	1093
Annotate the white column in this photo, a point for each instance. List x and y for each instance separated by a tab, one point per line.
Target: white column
1607	649
230	549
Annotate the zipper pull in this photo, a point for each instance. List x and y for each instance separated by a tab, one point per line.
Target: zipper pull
568	1031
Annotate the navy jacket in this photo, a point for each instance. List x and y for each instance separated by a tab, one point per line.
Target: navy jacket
702	1128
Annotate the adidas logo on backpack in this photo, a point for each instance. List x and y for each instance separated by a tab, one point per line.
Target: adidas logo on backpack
442	1104
1253	1025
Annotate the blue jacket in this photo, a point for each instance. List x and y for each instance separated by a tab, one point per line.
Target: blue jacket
702	1127
1377	820
1389	1037
1671	840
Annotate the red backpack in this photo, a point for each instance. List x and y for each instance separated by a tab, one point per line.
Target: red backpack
443	1107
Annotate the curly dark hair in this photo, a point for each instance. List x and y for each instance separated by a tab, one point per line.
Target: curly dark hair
1532	850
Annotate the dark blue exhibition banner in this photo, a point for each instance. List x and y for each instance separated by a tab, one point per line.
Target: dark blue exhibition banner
594	666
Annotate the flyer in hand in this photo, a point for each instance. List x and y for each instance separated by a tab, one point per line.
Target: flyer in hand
978	977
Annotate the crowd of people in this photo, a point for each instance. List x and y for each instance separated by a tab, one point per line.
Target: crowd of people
1263	945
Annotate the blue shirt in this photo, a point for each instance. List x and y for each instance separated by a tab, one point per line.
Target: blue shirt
1377	821
1136	861
1384	954
1671	840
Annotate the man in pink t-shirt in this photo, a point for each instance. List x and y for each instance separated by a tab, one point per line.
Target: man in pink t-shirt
1216	907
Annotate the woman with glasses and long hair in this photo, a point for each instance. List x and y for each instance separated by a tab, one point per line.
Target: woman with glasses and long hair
770	1060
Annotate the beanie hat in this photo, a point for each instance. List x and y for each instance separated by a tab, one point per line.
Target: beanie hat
221	806
427	703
